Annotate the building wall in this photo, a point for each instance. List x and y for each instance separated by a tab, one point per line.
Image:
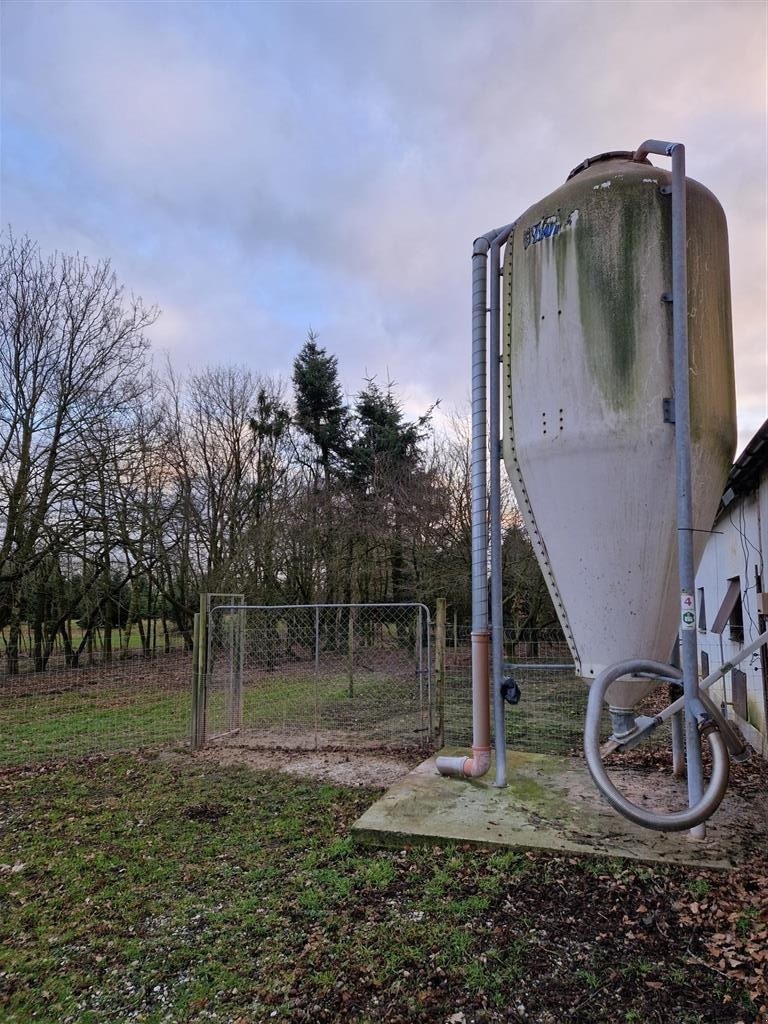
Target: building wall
735	551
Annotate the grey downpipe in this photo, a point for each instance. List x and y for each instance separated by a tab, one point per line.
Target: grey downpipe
689	646
676	821
478	764
494	418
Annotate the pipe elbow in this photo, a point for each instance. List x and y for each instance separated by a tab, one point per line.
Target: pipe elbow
477	765
466	767
657	146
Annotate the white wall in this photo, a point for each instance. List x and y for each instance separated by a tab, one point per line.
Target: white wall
736	550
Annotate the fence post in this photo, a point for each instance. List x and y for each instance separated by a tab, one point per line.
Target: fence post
241	617
317	671
351	651
440	638
201	634
198	684
195	684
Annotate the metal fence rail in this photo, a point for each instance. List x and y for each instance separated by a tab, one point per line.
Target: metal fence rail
340	675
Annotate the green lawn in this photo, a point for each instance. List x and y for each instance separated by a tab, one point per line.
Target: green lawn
162	890
90	720
98	716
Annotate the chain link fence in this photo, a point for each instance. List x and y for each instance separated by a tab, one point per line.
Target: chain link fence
326	676
349	676
549	719
98	701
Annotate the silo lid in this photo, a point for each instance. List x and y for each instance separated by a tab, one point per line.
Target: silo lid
614	154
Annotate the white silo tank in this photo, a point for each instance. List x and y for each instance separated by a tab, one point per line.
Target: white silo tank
587	367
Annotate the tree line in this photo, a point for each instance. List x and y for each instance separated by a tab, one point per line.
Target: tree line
126	489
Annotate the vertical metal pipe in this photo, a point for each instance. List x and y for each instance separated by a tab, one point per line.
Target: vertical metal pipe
317	672
196	690
494	417
678	745
204	664
440	646
689	645
420	664
688	640
429	671
231	715
479	461
481	734
481	738
241	666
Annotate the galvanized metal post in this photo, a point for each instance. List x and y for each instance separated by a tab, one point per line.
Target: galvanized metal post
420	662
681	371
479	763
440	643
196	694
351	652
497	604
317	673
241	665
231	715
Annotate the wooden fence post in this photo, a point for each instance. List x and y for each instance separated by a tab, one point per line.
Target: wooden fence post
199	673
440	638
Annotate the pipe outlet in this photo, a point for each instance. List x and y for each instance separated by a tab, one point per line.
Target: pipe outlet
466	767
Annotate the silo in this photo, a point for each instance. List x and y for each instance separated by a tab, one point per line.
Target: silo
589	438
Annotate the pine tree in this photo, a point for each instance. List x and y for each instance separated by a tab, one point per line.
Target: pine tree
320	413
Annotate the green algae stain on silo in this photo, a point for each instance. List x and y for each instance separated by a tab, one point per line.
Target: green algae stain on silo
562	253
618	223
710	341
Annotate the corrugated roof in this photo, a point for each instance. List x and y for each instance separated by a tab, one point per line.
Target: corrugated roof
745	472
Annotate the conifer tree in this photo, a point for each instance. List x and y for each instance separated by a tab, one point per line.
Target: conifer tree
321	413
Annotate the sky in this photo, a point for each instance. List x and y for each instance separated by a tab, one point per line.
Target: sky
254	169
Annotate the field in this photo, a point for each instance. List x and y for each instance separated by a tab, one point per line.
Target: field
158	886
169	889
147	702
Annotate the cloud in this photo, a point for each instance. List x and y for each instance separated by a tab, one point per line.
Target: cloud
257	168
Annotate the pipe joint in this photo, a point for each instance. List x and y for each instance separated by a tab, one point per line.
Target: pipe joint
706	725
466	767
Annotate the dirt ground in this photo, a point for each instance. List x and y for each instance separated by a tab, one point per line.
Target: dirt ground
367	769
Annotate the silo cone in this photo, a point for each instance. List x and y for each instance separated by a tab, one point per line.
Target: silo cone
587	368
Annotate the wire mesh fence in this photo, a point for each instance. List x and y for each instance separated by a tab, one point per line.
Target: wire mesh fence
341	676
98	701
346	676
549	718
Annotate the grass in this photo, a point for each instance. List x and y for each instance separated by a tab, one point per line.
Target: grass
112	708
144	703
90	719
138	888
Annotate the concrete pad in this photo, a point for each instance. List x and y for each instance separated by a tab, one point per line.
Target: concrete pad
551	803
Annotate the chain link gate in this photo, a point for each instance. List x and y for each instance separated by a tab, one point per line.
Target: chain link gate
352	676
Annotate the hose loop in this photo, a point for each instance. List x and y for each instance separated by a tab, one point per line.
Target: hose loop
677	821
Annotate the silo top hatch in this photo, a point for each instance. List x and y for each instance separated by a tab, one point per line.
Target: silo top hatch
613	154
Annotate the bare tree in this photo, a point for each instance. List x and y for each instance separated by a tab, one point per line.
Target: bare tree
72	356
